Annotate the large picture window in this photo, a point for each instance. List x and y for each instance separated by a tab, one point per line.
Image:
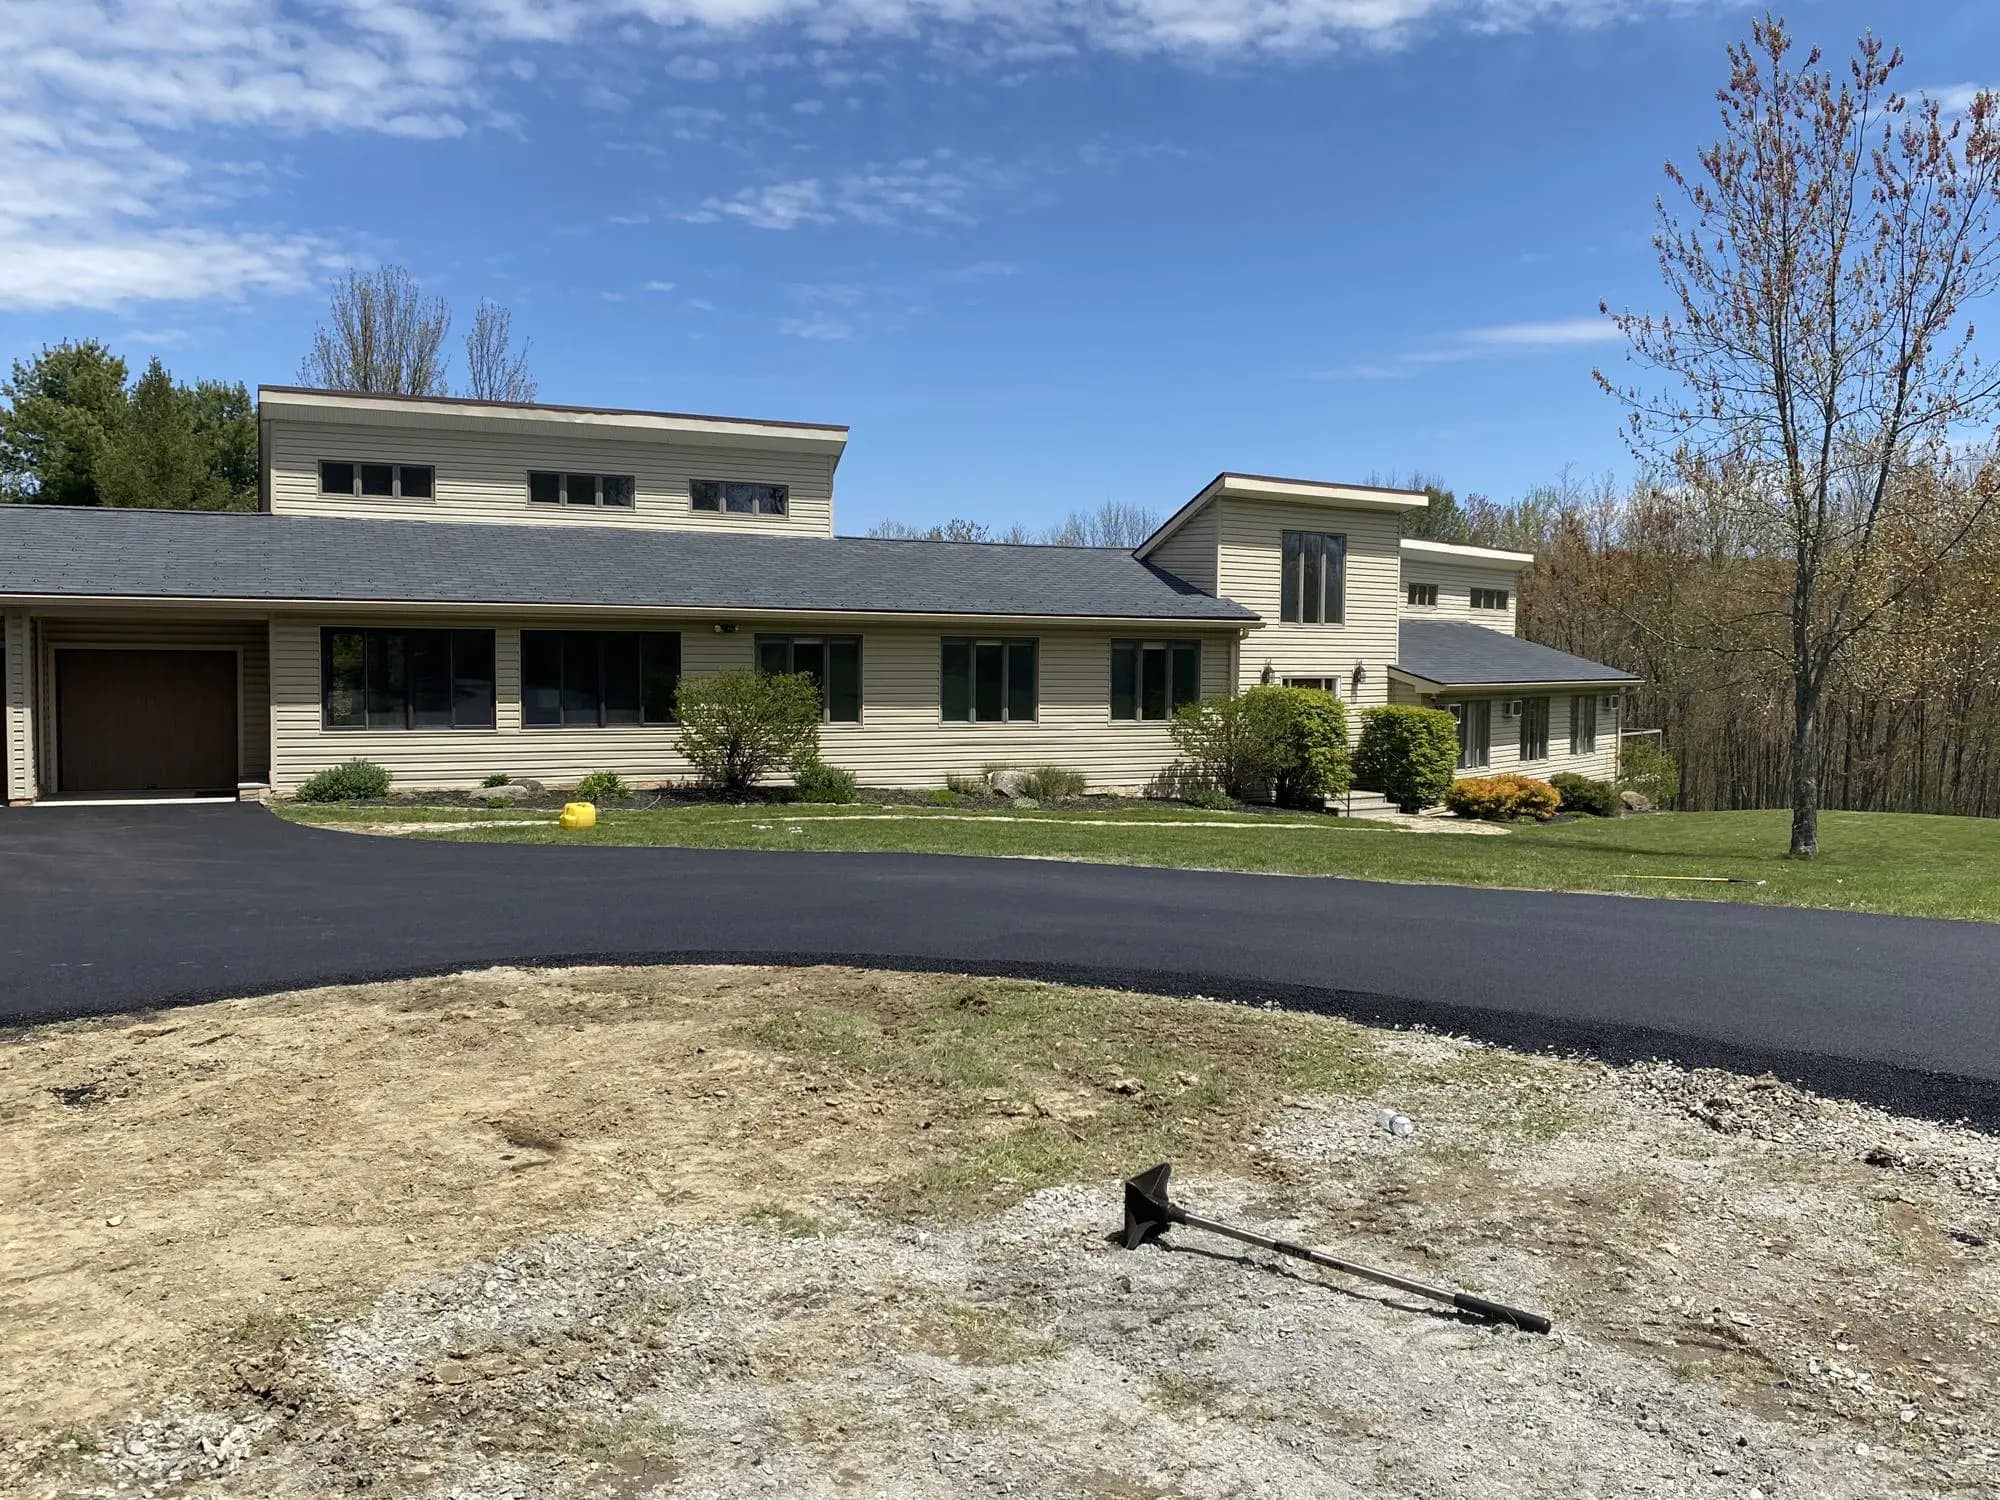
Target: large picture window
987	681
598	679
406	679
1534	729
1315	583
1475	733
1153	679
737	497
1582	725
832	661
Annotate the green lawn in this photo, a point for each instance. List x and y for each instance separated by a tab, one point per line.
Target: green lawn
1886	862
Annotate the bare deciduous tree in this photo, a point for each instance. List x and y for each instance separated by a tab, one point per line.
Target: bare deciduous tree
1113	524
384	336
494	369
1818	360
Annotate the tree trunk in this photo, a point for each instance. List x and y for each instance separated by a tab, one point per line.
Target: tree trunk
1805	768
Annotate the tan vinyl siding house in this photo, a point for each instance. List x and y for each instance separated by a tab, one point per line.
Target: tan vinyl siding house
1442	582
206	653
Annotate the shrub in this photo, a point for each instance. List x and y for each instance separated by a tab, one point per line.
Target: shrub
1213	798
1289	741
498	778
1408	754
968	786
737	727
1648	769
602	786
1053	783
945	796
345	782
816	781
1503	797
1583	794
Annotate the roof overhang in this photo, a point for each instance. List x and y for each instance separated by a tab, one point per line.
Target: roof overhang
1230	486
1570	685
1453	552
351	408
183	604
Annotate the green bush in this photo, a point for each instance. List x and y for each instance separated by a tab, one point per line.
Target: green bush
498	778
1408	754
1053	783
603	786
1646	768
1503	797
968	786
1213	798
1291	742
945	796
1583	794
816	781
345	782
737	727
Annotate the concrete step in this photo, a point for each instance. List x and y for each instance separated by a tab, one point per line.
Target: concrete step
1360	804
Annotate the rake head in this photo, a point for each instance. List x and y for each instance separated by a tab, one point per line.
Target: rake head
1148	1210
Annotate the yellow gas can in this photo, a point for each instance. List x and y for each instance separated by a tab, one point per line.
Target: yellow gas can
577	815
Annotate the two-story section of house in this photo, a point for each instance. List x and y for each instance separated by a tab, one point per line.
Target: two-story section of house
459	588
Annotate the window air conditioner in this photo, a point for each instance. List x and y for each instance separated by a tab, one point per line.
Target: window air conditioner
1513	709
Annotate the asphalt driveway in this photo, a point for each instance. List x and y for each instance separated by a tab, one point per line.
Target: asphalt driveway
116	909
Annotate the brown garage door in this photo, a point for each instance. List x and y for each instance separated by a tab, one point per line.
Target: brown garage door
141	721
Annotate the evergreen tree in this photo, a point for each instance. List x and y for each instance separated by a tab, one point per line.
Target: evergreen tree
62	408
156	460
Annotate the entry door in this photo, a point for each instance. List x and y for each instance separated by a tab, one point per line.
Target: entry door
144	721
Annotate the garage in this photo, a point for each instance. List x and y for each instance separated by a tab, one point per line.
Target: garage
146	721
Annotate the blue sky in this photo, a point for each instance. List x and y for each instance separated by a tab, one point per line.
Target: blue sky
1038	254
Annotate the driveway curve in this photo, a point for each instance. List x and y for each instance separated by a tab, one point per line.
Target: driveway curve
118	909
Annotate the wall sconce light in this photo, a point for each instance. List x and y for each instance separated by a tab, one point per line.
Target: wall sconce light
725	627
1360	675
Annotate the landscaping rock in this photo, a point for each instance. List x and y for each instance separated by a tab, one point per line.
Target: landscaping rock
1009	783
514	791
1635	802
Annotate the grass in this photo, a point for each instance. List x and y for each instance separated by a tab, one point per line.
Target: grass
1905	864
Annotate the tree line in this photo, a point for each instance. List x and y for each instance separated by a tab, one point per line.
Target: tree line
75	429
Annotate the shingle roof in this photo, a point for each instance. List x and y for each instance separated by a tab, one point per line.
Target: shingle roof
236	555
1465	655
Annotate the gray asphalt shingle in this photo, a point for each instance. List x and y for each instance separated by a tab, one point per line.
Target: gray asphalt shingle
1450	652
207	555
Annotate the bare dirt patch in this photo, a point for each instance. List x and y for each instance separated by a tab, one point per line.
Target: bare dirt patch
593	1232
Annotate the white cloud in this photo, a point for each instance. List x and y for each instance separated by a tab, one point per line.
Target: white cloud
1494	341
659	286
161	265
915	191
820	327
1954	99
629	220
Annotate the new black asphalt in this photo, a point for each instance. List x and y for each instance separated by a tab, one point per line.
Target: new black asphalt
116	909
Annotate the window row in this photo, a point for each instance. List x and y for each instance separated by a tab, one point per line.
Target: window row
1475	728
600	679
1425	594
559	487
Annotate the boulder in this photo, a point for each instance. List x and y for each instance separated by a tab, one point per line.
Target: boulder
1008	783
519	791
1635	802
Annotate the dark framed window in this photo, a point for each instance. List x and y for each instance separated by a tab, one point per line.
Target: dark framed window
832	661
1475	732
1153	679
1423	593
599	679
377	481
739	497
1317	684
554	487
406	679
1583	725
1315	583
1489	598
987	681
1534	729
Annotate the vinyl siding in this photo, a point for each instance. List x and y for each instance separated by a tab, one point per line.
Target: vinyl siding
1249	550
482	475
1189	554
1455	582
17	706
1506	738
900	742
249	638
